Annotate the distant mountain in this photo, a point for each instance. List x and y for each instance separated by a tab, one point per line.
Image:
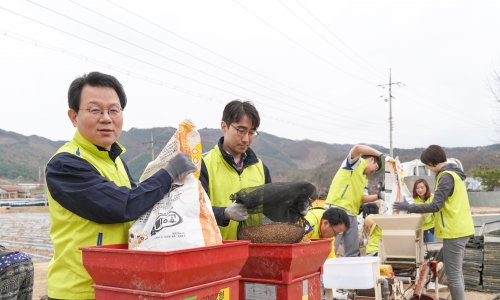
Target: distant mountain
23	157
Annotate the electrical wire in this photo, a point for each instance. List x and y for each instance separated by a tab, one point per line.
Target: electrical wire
322	24
298	44
232	73
325	39
175	73
218	55
161	83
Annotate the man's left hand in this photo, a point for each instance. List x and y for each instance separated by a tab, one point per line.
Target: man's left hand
401	205
303	207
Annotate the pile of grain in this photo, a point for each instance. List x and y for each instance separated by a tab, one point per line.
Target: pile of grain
274	233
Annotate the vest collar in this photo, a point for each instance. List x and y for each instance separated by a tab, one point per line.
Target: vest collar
116	148
249	160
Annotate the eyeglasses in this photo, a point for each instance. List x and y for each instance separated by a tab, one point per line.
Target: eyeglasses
335	233
242	133
96	113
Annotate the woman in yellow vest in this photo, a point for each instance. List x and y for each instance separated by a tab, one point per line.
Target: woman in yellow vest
374	236
422	195
453	219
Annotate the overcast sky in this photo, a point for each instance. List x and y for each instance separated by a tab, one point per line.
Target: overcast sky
312	68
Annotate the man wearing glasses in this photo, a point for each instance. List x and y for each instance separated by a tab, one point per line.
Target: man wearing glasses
231	165
325	224
92	197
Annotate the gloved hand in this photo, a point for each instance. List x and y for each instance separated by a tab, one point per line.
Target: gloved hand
236	212
387	157
303	207
381	195
401	205
179	166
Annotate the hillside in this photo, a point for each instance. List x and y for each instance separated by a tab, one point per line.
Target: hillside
23	157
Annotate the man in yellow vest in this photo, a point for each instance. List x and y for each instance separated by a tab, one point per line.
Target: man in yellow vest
349	190
453	218
325	224
92	197
231	165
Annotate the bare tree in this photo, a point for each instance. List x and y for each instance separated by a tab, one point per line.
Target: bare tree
494	86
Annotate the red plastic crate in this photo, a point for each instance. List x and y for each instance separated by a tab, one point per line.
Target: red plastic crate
306	287
223	289
163	271
286	262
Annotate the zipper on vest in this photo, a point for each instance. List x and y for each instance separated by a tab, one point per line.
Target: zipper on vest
345	190
442	219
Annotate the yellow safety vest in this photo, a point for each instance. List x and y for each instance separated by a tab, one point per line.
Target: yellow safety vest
429	223
454	220
312	230
224	180
67	278
347	188
373	240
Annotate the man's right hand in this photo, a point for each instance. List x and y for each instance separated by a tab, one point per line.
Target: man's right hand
179	166
236	212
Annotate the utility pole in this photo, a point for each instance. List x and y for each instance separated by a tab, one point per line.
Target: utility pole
152	145
390	108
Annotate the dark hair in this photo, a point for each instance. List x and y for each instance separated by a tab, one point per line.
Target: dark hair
336	216
377	159
236	109
427	190
94	79
433	155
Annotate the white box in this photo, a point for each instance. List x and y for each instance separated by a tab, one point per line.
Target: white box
351	272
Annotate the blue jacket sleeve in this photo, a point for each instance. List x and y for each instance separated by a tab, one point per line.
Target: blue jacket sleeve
77	186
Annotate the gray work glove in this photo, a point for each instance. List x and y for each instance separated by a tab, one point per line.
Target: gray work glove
403	205
236	212
381	195
179	166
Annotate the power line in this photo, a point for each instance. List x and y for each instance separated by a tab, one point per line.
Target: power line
338	37
326	40
175	73
161	83
232	73
448	108
293	41
241	87
236	63
218	55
